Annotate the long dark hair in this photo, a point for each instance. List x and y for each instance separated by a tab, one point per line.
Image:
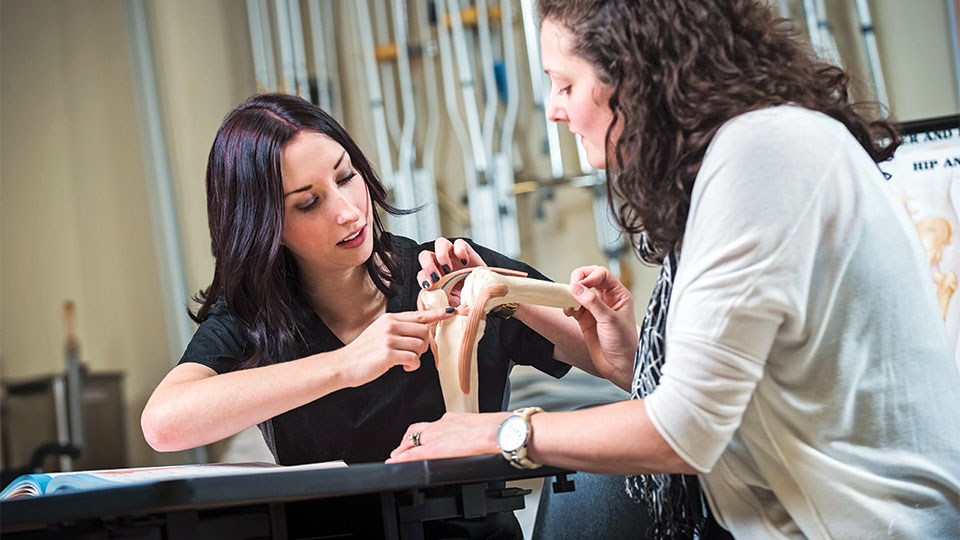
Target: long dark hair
254	273
679	70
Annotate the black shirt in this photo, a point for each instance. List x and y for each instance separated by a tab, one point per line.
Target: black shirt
365	423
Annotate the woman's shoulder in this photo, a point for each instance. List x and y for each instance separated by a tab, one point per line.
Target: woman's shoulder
219	319
782	127
218	342
220	310
777	142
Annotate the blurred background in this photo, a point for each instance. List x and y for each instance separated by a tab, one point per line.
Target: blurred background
109	108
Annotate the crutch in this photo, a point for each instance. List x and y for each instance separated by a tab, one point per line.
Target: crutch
293	64
481	197
503	162
424	183
70	422
873	55
324	44
261	38
376	104
406	154
540	85
784	7
821	37
385	53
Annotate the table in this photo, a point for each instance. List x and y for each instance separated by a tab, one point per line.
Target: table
361	501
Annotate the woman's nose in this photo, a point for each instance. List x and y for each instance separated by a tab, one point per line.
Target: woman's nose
554	112
347	212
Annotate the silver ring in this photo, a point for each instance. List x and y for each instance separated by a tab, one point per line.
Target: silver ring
415	437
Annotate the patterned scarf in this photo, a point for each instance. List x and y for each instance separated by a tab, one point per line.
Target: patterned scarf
674	501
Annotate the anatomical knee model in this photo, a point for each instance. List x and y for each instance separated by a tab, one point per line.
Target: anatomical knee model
454	340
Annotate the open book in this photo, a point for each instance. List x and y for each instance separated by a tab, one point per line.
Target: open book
35	485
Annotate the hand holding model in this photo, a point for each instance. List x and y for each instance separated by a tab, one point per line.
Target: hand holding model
607	321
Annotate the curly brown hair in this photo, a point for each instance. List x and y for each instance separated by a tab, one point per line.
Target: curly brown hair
680	69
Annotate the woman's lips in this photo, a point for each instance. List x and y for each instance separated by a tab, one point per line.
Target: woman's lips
355	241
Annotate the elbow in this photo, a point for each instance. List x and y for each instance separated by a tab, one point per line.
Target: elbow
682	467
158	429
673	463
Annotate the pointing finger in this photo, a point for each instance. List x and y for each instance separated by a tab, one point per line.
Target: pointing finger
426	317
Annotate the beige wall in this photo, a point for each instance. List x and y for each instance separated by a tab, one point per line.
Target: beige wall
75	222
914	46
74	214
204	70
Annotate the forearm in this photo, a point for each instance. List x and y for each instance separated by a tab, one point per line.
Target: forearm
612	439
187	410
560	330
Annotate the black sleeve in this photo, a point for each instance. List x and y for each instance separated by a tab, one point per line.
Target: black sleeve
217	343
517	340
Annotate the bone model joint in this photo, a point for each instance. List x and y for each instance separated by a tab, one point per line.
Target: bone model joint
454	340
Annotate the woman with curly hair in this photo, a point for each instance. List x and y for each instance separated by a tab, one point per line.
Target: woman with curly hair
791	373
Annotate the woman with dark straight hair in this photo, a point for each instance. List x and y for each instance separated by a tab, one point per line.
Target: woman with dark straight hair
792	374
309	329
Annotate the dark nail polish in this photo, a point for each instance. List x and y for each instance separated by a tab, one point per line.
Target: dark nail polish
426	284
464	261
434	277
445	268
450	310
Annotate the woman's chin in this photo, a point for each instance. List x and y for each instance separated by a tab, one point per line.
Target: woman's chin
599	163
596	159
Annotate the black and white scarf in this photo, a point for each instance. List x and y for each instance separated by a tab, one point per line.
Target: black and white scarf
674	501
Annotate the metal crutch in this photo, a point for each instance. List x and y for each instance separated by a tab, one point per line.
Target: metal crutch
299	49
384	51
406	154
362	14
324	56
503	163
262	41
481	198
873	55
541	86
821	37
288	70
424	183
450	96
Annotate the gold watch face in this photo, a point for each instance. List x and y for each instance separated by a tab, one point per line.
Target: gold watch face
512	434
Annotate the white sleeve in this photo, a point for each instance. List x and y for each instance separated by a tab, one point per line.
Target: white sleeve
743	277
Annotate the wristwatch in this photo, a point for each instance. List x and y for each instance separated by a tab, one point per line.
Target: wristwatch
514	434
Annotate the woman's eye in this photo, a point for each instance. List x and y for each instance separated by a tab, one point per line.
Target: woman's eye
346	179
565	90
309	206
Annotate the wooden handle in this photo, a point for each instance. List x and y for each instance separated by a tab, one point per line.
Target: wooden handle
69	318
69	325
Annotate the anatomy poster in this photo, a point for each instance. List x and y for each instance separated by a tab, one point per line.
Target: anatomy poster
926	173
